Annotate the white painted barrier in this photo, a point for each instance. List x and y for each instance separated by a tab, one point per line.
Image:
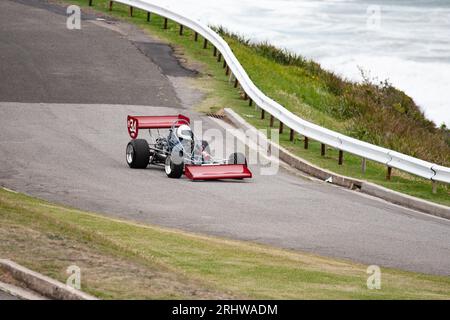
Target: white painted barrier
442	173
331	138
412	165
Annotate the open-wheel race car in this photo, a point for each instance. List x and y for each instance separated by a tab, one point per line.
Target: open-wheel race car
179	150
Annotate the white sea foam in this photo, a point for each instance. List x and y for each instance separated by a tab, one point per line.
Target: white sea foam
411	47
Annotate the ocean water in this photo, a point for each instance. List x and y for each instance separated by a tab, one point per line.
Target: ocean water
406	42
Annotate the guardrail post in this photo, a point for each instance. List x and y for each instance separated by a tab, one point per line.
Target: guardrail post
250	102
196	36
90	3
245	95
236	83
363	165
215	52
205	44
148	16
281	127
389	173
227	70
165	23
272	118
306	143
219	57
131	11
181	29
291	135
322	149
435	185
111	5
341	157
263	114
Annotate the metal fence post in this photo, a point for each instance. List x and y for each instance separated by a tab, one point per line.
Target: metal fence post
230	78
341	157
389	173
291	135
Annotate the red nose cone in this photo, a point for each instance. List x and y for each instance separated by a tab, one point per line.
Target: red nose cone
216	172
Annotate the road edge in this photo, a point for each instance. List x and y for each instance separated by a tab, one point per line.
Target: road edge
41	284
19	293
362	186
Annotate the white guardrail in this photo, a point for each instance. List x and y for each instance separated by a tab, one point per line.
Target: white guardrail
331	138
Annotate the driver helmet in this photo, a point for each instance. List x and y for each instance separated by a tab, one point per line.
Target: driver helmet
184	132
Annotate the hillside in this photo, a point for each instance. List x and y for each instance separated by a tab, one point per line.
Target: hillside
375	112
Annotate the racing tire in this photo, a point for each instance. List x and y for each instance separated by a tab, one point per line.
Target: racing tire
237	158
138	154
173	169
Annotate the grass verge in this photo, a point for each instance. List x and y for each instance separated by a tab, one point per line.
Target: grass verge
303	91
122	260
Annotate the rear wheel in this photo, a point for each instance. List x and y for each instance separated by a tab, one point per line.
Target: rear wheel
174	169
138	154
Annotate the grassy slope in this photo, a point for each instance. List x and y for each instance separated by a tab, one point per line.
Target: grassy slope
307	97
124	260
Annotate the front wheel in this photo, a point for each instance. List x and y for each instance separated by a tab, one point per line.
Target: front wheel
237	158
174	169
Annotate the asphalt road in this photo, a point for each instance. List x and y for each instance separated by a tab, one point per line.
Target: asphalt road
63	137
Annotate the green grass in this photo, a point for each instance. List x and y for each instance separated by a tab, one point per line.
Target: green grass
314	94
352	167
120	259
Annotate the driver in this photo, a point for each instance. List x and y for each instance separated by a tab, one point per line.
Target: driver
184	133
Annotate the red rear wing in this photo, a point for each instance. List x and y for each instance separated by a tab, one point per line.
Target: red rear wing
135	123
